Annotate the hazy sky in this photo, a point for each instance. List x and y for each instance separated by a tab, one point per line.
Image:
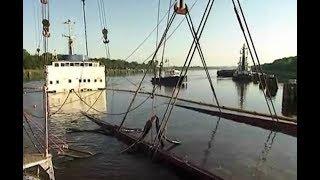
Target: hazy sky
273	25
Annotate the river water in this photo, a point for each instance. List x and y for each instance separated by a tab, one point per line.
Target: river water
229	149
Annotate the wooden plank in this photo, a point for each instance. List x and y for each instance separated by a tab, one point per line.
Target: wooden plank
30	160
211	105
287	127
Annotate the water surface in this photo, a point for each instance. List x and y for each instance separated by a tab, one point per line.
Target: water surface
228	149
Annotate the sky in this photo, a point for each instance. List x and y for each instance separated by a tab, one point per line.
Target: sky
272	23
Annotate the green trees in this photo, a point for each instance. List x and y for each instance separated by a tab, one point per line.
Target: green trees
284	68
119	64
288	64
38	62
35	61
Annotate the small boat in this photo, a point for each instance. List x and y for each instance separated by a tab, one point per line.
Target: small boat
225	72
170	78
242	76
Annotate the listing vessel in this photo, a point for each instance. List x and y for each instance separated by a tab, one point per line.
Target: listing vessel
72	72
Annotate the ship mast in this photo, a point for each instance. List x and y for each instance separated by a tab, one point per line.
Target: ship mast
70	41
243	58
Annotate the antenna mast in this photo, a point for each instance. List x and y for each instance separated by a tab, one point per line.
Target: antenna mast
70	41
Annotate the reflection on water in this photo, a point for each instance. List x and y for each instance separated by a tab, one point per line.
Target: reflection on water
242	92
289	109
168	89
226	148
264	154
209	148
272	90
74	102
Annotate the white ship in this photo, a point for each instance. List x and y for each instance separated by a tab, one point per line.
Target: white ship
74	72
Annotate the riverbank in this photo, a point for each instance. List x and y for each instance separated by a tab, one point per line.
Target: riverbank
284	68
38	74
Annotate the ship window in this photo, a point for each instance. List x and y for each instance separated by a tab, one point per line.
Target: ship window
50	82
62	64
69	80
100	80
90	64
85	64
95	80
56	64
81	64
57	82
71	64
88	80
79	80
76	64
84	80
67	64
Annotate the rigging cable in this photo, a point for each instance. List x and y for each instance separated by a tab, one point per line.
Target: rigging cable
50	139
37	26
173	31
33	134
95	101
140	104
163	49
147	37
65	100
204	20
41	127
184	66
102	18
245	36
191	26
154	62
75	100
61	106
25	130
85	26
255	52
165	39
150	63
103	25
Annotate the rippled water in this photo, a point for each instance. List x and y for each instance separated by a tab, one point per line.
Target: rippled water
228	149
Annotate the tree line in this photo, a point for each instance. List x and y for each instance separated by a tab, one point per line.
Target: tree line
36	61
284	68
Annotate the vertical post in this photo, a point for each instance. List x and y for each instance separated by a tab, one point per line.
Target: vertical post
85	25
45	110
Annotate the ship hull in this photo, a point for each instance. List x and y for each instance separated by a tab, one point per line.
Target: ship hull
169	81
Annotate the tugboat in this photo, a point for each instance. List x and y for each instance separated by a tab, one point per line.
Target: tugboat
242	73
73	72
170	77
